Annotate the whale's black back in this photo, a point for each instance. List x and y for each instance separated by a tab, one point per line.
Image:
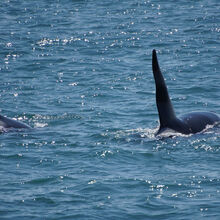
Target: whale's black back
11	123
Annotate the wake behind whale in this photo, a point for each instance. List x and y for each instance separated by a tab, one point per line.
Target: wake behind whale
190	123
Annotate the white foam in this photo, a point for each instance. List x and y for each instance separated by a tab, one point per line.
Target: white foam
40	125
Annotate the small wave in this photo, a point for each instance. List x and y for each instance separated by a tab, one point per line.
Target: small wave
42	199
141	132
56	117
40	181
169	133
40	125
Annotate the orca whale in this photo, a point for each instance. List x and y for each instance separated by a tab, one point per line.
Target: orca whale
8	123
190	123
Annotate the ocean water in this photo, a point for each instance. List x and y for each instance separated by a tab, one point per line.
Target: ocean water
79	72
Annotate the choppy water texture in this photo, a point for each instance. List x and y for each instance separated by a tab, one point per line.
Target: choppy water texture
79	72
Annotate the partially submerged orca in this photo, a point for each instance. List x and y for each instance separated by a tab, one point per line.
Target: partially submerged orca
190	123
8	123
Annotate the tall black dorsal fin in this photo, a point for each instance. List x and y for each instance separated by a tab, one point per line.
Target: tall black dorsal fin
164	105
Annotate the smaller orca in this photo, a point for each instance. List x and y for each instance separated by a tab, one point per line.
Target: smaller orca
190	123
8	123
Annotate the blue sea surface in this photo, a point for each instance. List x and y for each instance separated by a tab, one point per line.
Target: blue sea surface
79	72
